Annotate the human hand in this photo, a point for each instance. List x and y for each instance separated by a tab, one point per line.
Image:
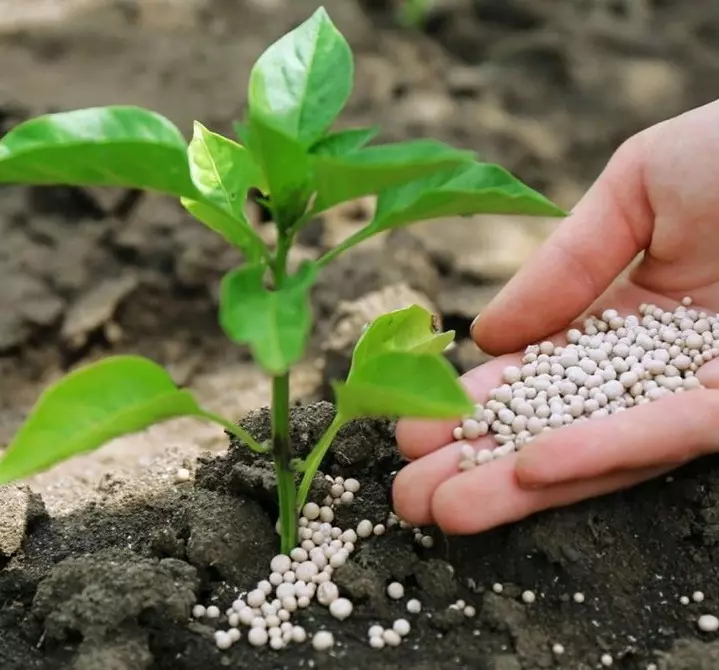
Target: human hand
658	195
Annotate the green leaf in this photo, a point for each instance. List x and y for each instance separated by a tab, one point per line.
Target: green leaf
100	146
411	330
239	234
461	190
477	188
344	141
300	84
286	168
375	168
275	323
223	171
241	131
89	407
401	384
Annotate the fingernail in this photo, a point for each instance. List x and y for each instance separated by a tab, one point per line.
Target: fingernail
473	325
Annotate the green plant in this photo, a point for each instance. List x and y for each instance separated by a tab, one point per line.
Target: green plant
297	89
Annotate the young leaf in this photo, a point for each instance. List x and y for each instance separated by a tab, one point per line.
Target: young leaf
411	330
223	171
374	168
462	190
275	323
343	142
286	169
100	146
476	188
90	406
237	233
300	84
241	130
398	383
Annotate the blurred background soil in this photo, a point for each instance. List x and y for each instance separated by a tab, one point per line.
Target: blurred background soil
547	88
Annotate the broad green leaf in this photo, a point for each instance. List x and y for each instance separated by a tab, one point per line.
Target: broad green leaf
223	171
89	407
275	323
401	384
237	233
241	130
286	168
100	146
375	168
344	141
300	84
476	188
411	330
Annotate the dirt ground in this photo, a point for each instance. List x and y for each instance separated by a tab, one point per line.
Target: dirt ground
549	90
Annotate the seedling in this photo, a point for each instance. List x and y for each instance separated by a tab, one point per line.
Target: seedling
288	152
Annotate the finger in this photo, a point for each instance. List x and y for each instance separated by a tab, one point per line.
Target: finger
673	429
489	496
415	484
606	230
417	437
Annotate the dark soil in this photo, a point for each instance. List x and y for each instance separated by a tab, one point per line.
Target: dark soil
114	586
548	89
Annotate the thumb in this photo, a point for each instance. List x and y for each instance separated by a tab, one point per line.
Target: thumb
589	249
669	431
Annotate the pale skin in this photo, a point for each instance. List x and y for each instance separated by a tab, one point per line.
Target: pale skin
655	204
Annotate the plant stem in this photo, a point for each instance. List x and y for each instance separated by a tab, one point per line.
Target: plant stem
282	453
312	462
235	430
360	236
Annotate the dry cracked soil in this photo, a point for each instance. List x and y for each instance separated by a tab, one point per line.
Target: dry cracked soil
102	557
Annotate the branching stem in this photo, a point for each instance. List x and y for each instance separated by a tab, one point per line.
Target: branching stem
239	432
313	461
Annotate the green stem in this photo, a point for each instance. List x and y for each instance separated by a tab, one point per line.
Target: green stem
284	243
282	453
313	461
235	430
351	241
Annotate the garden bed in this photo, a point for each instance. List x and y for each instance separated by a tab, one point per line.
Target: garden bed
114	585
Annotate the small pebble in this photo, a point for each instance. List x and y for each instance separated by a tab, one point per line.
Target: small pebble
182	475
340	608
395	590
375	631
257	637
364	528
708	623
323	640
223	640
414	606
351	485
391	637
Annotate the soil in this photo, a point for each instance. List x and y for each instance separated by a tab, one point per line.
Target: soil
101	561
